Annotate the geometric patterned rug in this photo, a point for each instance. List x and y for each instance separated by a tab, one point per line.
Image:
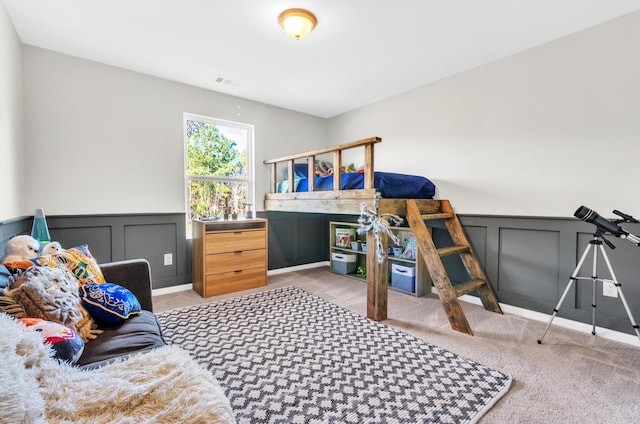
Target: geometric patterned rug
287	356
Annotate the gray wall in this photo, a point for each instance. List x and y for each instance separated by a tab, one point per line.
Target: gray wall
105	140
529	262
297	238
535	134
12	162
119	237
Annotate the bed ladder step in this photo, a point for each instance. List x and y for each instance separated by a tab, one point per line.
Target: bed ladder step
432	216
447	292
452	250
468	287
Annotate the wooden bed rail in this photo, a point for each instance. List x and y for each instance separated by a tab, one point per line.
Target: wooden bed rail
337	164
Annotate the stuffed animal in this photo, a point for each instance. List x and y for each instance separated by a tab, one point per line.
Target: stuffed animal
51	248
19	248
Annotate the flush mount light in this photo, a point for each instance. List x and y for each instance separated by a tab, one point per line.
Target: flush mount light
297	23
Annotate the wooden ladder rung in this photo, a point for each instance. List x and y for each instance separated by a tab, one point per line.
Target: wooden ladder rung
442	215
452	250
468	287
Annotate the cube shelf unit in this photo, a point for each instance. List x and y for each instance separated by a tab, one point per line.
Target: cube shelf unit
422	280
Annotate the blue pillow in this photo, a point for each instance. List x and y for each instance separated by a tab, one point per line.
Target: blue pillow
109	303
4	276
299	171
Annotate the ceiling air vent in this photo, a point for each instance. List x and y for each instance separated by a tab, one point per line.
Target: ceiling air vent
225	81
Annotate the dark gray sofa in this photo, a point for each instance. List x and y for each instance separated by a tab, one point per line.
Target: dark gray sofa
139	333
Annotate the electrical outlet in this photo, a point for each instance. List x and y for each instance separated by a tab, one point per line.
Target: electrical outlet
168	259
609	289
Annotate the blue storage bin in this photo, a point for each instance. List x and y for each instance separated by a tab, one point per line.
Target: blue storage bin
403	277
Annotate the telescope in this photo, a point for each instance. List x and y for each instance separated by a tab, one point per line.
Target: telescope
603	226
608	226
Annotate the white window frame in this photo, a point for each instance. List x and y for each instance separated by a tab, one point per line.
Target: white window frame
223	124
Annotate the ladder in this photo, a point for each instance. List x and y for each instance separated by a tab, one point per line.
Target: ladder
448	292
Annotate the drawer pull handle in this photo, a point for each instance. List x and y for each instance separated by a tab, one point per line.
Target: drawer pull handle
237	232
238	271
237	252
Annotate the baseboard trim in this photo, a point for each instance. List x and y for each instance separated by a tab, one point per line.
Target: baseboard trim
172	289
582	327
297	268
185	287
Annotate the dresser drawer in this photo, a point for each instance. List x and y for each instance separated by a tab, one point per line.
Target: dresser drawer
228	282
228	262
234	241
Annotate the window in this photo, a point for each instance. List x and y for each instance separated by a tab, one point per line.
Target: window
219	167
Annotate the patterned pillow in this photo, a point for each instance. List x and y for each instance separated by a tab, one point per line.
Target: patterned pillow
67	345
78	260
109	303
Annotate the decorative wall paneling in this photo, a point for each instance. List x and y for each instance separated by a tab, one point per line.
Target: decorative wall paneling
527	259
529	262
118	237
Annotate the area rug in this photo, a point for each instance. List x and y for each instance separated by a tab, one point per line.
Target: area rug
287	356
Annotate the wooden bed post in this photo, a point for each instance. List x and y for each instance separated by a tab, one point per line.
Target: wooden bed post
311	170
290	175
377	279
274	183
337	169
368	166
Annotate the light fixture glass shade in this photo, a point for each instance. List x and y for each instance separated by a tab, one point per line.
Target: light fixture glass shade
297	23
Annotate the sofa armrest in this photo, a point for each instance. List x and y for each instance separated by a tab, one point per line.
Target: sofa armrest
135	275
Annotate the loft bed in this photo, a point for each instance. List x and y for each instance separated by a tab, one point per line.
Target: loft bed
340	197
339	200
343	192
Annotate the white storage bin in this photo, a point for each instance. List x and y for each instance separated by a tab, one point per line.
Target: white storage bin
343	263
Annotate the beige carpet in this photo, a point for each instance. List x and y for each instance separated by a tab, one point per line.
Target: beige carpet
571	378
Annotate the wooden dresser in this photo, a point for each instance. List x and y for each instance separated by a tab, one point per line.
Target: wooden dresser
229	256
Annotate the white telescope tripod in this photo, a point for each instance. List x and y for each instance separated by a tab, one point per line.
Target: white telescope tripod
596	243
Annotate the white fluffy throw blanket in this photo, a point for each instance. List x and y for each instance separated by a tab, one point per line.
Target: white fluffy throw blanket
162	386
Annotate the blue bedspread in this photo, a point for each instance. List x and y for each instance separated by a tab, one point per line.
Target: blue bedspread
390	185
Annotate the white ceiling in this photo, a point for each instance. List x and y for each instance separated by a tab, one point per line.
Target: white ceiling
360	52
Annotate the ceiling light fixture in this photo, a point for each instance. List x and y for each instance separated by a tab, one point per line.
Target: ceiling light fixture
297	23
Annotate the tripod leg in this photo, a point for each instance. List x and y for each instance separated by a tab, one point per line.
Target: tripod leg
594	278
557	308
571	280
635	326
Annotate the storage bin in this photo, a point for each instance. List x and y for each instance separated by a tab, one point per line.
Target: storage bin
343	263
403	277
